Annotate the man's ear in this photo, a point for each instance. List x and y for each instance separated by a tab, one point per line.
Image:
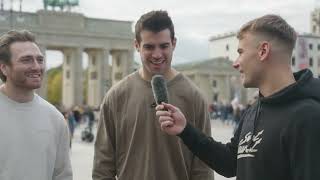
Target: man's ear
3	69
174	43
264	50
137	45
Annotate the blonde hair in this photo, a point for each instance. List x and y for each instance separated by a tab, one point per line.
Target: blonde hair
273	27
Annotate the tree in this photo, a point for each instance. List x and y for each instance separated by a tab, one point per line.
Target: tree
55	85
54	90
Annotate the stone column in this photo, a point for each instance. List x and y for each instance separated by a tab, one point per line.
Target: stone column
107	70
130	59
42	91
228	89
121	64
97	79
72	92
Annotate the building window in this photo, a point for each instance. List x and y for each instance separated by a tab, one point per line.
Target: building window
215	96
118	61
68	74
93	75
214	83
93	62
293	61
318	47
227	47
311	61
314	29
310	46
67	59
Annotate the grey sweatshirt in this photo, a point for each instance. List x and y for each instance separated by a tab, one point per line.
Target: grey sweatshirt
34	141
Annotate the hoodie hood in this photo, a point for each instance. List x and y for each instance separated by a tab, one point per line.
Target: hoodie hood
306	86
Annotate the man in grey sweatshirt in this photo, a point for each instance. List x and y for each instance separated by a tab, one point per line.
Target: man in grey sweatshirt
34	138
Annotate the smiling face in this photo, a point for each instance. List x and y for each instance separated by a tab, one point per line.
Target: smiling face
248	62
156	49
26	68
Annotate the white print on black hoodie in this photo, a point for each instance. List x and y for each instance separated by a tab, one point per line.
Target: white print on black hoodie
246	149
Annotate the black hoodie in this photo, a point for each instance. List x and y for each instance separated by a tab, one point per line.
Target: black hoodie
278	137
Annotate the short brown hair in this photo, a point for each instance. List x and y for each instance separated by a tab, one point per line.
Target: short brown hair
272	26
6	40
154	21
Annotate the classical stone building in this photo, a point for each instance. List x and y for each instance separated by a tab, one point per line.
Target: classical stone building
73	34
216	78
306	53
315	21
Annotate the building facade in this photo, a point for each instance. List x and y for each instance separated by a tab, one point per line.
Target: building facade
74	34
216	78
306	53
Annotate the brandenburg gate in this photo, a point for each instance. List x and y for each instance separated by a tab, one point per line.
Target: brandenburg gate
73	34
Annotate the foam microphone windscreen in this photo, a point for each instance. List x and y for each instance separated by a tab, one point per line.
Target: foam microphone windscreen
159	89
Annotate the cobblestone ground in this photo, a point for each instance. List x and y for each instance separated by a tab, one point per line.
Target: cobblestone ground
82	152
221	132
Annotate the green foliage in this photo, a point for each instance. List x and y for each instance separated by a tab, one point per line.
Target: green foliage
54	90
55	85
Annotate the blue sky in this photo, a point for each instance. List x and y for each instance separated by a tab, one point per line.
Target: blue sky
195	21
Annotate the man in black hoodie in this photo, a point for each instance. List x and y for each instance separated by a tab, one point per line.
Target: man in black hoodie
279	136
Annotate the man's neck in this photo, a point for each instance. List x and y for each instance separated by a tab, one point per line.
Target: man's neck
170	74
18	95
276	81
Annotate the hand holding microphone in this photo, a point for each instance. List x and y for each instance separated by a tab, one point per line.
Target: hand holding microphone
171	119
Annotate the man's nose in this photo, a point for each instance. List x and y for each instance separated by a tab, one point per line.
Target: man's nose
236	64
157	53
37	65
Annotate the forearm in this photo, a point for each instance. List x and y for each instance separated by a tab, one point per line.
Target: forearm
219	157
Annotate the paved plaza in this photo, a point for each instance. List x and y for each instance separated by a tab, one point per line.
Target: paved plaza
82	152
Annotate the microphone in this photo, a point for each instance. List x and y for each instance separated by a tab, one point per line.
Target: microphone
159	89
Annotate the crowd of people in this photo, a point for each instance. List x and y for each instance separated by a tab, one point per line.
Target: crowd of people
229	113
79	115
